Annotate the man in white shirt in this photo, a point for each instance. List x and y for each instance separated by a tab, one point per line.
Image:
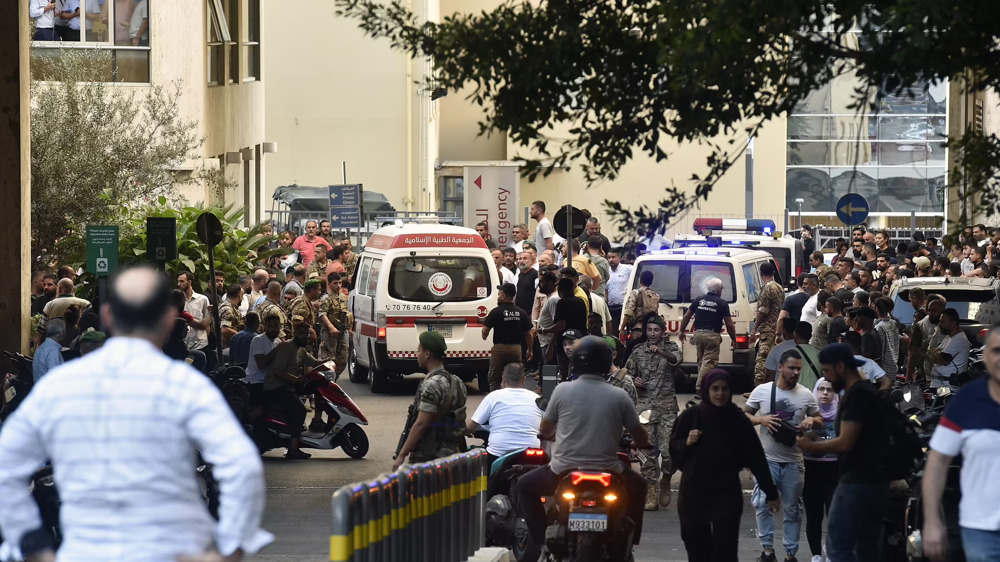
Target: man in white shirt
261	347
544	233
546	316
510	414
43	12
121	427
197	305
518	236
952	355
138	29
617	284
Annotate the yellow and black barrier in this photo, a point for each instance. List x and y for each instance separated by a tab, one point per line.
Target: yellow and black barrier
426	511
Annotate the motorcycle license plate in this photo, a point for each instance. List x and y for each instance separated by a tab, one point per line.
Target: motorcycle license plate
443	329
588	522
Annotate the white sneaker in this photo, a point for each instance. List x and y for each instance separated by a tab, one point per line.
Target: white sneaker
817	558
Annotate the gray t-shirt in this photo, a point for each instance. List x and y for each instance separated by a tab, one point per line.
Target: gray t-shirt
790	405
773	358
589	415
542	231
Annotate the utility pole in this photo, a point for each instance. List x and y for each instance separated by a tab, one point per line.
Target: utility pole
15	176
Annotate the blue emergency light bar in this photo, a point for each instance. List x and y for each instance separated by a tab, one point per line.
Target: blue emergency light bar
762	226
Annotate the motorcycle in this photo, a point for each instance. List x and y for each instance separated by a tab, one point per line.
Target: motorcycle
588	520
505	527
17	384
342	430
43	490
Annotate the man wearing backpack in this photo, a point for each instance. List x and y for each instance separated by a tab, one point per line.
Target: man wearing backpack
862	495
640	303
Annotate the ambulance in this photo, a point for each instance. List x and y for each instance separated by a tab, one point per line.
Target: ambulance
750	233
681	275
414	278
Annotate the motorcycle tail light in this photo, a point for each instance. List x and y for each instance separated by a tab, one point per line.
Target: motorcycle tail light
589	503
603	477
742	342
610	498
543	499
534	452
569	496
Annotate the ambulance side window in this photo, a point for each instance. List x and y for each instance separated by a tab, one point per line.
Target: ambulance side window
373	277
753	281
362	285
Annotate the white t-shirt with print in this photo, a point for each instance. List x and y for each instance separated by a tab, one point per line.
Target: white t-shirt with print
790	405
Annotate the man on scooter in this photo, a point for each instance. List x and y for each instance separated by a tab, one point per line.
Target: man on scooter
586	417
281	380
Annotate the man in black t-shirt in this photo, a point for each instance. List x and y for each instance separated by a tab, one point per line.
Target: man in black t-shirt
571	314
527	278
791	309
511	328
710	312
862	494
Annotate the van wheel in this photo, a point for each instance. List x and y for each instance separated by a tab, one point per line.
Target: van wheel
483	380
378	380
357	373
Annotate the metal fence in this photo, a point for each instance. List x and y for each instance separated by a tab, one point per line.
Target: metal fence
428	511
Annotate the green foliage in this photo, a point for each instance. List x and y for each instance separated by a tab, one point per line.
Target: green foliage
621	76
236	255
98	149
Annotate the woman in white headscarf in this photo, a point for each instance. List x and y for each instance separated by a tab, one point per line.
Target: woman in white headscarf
821	471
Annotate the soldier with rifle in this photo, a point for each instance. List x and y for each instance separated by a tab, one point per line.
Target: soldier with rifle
435	424
333	318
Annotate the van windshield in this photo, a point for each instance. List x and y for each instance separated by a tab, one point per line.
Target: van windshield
439	279
682	282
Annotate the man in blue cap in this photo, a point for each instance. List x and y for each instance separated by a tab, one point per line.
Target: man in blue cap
862	495
436	423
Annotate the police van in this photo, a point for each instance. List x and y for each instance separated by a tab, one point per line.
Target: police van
750	233
413	278
682	275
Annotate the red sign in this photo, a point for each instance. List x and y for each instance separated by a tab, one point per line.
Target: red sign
481	312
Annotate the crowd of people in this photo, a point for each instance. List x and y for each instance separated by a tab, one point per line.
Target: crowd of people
64	20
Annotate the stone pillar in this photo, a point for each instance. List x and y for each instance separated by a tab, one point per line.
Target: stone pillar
15	176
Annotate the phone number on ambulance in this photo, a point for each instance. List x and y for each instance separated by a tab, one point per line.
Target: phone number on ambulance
408	307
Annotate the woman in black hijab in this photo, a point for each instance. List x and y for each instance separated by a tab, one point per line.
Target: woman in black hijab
711	443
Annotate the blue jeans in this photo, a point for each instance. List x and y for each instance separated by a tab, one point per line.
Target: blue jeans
981	546
855	521
789	478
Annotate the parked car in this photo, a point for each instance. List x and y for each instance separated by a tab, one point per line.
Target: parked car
975	300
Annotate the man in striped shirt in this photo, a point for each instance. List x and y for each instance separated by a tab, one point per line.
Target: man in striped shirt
121	427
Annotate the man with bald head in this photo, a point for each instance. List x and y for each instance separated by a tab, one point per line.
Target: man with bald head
260	281
710	312
64	299
124	496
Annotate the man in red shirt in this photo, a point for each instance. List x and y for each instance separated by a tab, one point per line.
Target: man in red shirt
309	243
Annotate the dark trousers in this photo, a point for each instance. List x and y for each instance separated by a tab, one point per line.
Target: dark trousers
711	541
64	33
542	482
288	402
852	534
44	34
616	318
817	495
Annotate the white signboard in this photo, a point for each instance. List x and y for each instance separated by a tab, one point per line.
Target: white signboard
491	196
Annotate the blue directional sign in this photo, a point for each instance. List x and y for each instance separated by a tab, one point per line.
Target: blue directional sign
345	195
852	209
345	216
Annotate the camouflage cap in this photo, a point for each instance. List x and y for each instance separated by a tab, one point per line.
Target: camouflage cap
433	341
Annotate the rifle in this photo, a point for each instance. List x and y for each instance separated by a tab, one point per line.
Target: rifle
411	417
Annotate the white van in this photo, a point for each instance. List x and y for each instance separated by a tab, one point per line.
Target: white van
681	275
418	277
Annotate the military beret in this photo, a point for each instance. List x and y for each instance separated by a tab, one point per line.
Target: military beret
311	284
93	335
433	341
655	319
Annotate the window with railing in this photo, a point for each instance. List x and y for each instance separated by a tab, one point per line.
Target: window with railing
251	47
119	27
233	41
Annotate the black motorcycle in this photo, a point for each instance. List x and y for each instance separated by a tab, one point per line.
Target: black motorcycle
505	527
587	520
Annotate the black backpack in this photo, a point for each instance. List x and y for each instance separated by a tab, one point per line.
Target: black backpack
905	453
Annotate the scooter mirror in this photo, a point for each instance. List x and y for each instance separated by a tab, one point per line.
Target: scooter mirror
542	403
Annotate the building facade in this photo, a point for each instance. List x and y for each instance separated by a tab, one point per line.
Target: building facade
211	49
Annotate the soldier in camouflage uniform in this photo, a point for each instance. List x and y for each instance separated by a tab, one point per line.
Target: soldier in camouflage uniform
302	306
269	307
349	259
652	366
640	303
439	426
619	376
230	321
317	266
769	302
333	336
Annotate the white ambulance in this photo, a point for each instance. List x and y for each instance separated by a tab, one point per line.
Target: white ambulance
413	278
681	275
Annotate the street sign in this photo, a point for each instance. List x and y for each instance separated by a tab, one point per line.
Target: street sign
343	217
341	195
852	209
576	223
161	238
209	229
102	250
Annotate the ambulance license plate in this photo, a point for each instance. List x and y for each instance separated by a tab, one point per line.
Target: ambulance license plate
585	522
443	329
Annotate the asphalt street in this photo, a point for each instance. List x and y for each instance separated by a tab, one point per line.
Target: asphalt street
298	492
